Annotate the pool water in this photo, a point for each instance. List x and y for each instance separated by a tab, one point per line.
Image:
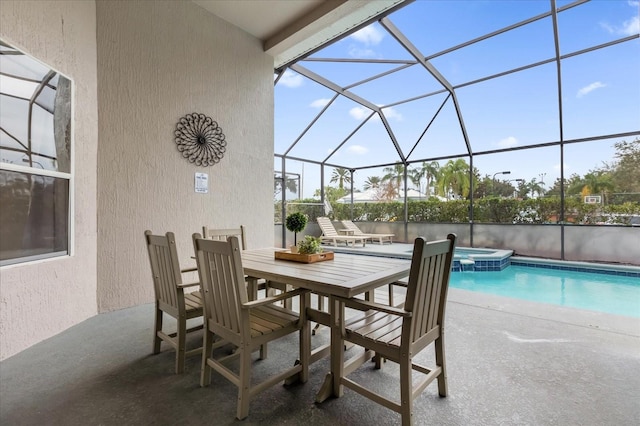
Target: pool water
614	294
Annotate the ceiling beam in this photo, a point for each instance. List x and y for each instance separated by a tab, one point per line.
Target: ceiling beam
331	20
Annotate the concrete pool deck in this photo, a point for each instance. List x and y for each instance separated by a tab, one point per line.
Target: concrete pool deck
509	362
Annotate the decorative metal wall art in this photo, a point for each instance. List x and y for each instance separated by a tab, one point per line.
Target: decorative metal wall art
200	139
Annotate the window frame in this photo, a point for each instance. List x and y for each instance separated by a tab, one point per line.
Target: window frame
39	171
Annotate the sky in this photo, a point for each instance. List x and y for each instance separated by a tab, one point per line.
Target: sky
600	91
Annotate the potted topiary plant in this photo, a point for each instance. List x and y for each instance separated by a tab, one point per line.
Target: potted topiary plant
296	222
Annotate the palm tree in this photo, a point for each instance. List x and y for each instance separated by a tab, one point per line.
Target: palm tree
430	171
394	176
533	187
340	175
454	178
597	182
290	185
372	182
415	175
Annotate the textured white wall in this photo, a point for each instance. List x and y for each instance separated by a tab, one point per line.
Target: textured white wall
158	61
39	300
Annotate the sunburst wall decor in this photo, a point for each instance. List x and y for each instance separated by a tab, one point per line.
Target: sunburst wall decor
200	139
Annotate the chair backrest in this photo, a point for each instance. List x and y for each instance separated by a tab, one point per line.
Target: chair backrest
326	226
428	284
165	267
352	227
223	234
222	281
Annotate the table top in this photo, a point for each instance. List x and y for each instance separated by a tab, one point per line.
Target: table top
347	275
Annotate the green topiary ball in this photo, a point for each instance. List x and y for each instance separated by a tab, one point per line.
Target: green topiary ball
296	222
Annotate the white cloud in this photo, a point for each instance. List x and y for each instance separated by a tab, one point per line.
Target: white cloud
357	149
370	35
629	27
319	103
566	168
291	79
356	52
359	113
590	88
508	142
391	113
632	26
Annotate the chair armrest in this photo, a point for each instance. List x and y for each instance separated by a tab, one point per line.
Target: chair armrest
401	283
364	305
271	299
185	285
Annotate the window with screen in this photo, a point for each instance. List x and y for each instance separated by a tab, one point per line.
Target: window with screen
35	159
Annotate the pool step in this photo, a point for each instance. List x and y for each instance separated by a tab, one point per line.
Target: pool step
467	264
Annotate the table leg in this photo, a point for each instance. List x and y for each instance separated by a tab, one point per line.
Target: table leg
326	390
336	310
252	288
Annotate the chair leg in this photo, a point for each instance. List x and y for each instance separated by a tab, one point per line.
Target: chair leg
440	361
244	386
320	308
158	327
207	349
263	351
181	338
406	387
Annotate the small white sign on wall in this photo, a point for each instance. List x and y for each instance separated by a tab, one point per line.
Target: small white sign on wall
202	183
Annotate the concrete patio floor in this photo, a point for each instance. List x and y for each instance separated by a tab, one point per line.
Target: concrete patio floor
509	363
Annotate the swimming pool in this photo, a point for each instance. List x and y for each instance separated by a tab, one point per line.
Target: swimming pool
613	289
614	293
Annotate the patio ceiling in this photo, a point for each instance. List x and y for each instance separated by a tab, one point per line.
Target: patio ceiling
290	29
450	86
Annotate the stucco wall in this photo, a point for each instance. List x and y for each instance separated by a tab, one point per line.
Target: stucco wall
158	61
40	299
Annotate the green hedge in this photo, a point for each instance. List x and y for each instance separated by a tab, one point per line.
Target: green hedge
486	210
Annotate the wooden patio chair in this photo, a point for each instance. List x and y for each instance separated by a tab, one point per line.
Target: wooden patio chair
255	285
381	238
400	333
331	236
223	234
245	324
171	297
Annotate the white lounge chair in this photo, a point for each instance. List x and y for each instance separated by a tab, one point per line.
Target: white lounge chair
381	238
331	236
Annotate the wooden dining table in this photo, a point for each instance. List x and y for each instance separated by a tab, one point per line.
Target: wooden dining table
346	275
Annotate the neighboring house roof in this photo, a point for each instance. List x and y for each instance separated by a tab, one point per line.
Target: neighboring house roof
371	196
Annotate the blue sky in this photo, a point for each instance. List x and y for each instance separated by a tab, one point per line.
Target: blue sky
600	90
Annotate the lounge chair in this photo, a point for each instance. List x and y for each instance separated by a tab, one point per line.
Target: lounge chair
350	226
331	236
